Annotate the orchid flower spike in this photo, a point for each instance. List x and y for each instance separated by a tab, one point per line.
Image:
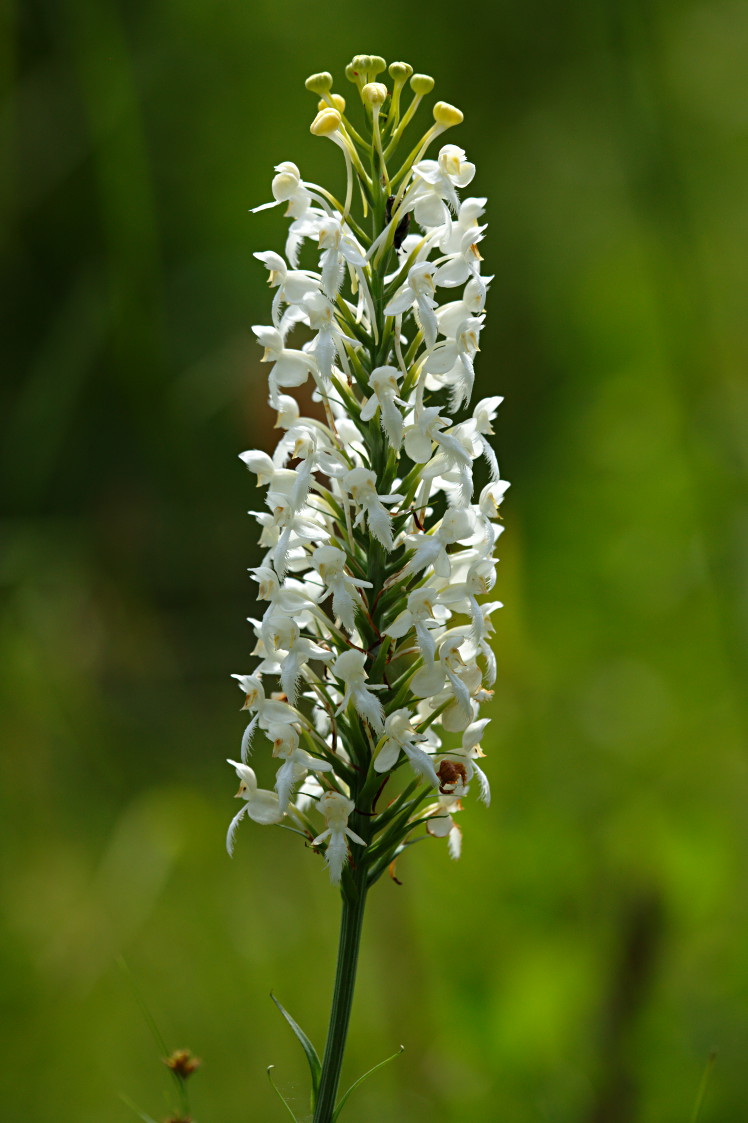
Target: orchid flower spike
379	508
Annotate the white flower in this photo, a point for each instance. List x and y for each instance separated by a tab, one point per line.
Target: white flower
266	710
329	338
383	381
348	668
361	485
435	181
400	735
423	613
418	291
453	360
443	680
442	825
431	549
261	806
459	242
291	367
288	187
339	246
296	762
336	809
330	564
292	284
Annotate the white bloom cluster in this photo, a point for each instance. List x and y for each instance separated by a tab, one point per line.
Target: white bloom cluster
375	638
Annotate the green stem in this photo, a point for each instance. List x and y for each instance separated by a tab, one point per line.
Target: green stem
354	900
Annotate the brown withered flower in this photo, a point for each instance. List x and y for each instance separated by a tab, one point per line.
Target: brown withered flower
182	1064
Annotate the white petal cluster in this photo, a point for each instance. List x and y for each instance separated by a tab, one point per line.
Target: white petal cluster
373	647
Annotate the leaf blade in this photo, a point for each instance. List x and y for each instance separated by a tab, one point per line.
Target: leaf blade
315	1065
361	1079
278	1093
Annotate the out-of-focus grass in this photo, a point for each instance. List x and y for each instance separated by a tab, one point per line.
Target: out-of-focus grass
588	951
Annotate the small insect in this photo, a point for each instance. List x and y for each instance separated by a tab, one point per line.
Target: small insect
402	227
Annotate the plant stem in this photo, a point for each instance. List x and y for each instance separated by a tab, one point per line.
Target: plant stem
354	900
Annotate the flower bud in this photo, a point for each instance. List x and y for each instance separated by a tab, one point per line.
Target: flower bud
350	73
447	115
361	63
421	84
337	101
325	123
377	64
319	83
374	94
400	71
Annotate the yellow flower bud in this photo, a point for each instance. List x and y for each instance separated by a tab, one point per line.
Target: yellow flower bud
400	71
447	115
377	64
421	84
374	94
326	122
337	101
319	83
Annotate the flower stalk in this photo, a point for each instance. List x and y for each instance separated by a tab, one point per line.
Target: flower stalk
351	926
373	648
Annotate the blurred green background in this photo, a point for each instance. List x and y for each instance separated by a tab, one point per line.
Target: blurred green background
589	950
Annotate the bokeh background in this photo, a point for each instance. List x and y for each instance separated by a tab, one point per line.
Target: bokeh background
589	952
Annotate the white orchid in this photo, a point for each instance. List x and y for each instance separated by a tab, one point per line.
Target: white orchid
384	383
336	810
400	736
361	485
262	806
435	182
330	564
349	668
418	292
296	761
291	367
377	560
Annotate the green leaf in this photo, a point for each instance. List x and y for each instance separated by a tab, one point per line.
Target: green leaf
279	1094
361	1079
315	1066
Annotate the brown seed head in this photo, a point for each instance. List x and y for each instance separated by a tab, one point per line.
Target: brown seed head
183	1064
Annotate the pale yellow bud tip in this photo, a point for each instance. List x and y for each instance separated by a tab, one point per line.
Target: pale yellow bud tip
421	84
447	115
400	71
337	101
325	123
374	94
319	83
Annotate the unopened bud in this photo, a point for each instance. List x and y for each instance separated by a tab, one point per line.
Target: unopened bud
326	122
337	101
377	64
350	73
400	71
447	115
374	94
421	84
361	63
319	83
